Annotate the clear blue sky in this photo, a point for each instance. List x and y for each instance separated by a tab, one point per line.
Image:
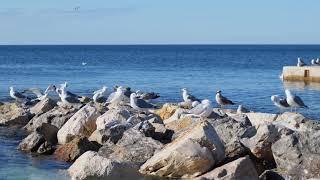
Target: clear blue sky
163	21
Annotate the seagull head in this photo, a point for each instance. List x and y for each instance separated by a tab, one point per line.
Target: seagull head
133	95
104	88
184	89
11	88
219	91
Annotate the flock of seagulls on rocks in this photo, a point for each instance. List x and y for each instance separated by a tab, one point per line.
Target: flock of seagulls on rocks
140	101
314	62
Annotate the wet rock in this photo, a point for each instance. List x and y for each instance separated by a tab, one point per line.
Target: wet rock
261	118
242	169
112	134
166	111
196	151
49	132
117	115
133	148
31	143
43	106
298	154
13	115
91	165
46	148
56	116
82	123
70	151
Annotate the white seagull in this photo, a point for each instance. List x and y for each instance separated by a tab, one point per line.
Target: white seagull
99	94
18	96
300	63
187	97
202	110
281	103
40	95
68	98
140	104
222	101
294	101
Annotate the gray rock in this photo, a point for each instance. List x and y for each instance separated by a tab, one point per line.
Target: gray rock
56	116
298	154
31	143
91	165
133	148
49	132
240	169
13	115
43	106
112	134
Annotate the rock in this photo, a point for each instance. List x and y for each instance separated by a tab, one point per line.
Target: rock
260	141
261	118
178	114
120	114
43	106
166	111
296	122
70	151
133	148
31	143
230	131
112	134
46	148
82	123
91	165
298	154
180	124
56	116
1	103
49	132
272	175
241	118
155	130
242	169
196	151
85	99
13	115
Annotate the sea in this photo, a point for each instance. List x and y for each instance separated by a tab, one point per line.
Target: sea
246	74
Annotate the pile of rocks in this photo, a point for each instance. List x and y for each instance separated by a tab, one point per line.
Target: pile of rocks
115	141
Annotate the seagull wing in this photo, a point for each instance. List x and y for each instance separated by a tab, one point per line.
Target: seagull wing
284	103
71	99
226	100
192	98
35	91
299	101
143	104
72	95
19	95
197	110
151	95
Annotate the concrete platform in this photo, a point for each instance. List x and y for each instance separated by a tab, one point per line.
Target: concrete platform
305	73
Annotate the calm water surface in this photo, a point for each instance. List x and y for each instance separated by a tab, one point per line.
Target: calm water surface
246	74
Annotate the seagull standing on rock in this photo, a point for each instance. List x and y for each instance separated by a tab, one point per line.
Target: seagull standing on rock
99	94
147	96
38	92
281	103
18	96
294	101
222	101
68	98
187	97
242	109
139	104
202	110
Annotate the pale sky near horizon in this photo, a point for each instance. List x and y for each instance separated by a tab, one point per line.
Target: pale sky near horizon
159	22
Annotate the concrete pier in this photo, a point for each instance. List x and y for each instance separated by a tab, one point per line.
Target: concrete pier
305	73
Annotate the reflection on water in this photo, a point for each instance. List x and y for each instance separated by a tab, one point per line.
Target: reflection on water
301	85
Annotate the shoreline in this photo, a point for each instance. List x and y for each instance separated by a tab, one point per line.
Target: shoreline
115	141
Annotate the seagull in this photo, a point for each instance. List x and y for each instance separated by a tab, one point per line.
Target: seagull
117	96
242	109
318	61
281	103
202	110
66	98
147	96
294	101
300	63
18	96
99	94
187	97
313	62
222	101
64	86
140	104
38	92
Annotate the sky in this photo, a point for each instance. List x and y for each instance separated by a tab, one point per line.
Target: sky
159	22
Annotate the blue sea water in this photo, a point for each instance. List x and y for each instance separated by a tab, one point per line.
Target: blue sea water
247	74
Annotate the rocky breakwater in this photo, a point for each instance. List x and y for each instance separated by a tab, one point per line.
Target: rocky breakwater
116	142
